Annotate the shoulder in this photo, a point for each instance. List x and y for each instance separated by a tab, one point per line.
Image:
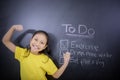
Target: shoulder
20	50
45	58
20	53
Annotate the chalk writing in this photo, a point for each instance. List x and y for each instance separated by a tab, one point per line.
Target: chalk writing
74	44
85	61
79	31
84	54
64	44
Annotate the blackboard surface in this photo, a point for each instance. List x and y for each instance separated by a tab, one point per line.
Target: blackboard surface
89	29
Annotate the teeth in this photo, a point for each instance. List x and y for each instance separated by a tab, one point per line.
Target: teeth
35	47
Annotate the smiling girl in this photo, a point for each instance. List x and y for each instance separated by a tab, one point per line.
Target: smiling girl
34	63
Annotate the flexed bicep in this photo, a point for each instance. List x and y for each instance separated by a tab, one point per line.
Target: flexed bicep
7	37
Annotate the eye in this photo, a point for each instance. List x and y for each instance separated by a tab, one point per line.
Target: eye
42	42
36	39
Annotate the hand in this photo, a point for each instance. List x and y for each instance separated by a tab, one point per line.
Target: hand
66	57
18	27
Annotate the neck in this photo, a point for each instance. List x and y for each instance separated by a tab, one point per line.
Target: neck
35	53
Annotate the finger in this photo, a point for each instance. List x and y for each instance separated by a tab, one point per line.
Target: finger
67	53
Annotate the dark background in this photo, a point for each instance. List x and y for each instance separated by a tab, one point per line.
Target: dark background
103	16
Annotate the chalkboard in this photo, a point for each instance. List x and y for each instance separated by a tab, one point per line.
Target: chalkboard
88	29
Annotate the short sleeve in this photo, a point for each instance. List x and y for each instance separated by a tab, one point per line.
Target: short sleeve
19	53
50	67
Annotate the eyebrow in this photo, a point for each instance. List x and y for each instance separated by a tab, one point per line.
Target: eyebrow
40	40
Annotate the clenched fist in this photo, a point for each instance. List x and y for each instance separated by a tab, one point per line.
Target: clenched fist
66	57
18	27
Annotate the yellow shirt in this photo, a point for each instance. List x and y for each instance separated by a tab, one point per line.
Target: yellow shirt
34	67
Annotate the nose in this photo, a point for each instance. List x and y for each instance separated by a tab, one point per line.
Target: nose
37	43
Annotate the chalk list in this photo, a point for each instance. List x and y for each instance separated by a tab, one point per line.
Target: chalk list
82	52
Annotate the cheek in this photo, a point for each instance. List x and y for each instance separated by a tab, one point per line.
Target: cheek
43	46
31	43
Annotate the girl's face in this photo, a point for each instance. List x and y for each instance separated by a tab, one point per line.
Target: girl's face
38	43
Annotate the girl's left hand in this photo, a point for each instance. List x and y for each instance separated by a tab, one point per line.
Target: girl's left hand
66	57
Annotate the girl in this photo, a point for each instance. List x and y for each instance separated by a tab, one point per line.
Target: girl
34	64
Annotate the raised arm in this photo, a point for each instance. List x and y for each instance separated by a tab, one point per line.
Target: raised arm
60	71
7	37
